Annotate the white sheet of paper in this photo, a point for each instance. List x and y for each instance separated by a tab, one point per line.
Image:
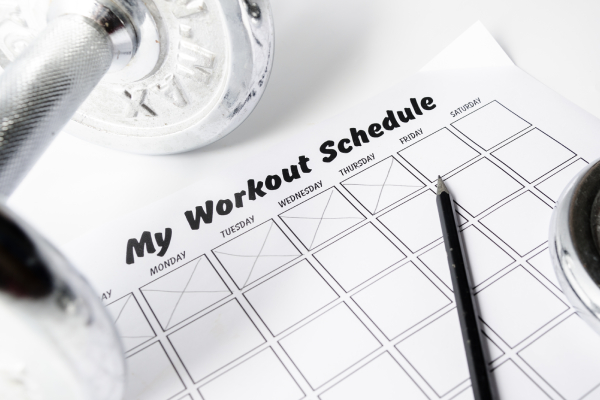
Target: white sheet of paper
332	285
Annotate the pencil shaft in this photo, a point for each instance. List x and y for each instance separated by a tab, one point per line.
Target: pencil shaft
471	334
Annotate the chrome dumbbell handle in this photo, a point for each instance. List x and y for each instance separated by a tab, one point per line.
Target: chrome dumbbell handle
39	291
43	88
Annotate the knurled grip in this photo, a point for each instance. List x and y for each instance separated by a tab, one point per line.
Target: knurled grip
42	89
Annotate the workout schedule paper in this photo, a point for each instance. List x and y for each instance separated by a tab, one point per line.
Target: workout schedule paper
316	270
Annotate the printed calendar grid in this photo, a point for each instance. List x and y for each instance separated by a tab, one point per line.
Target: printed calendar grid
376	334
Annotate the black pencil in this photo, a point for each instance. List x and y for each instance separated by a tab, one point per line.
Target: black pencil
473	342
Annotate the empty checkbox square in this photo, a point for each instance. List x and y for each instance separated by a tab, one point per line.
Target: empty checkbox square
151	375
436	260
329	344
290	296
438	154
400	300
517	305
543	264
567	357
214	340
382	184
261	377
522	223
480	186
437	353
485	258
383	378
359	256
415	223
490	125
554	185
533	155
513	383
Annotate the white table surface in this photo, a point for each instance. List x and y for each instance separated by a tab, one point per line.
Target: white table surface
330	55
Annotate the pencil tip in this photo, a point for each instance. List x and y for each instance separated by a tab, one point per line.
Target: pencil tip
441	187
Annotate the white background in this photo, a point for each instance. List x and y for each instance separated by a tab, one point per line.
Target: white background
329	55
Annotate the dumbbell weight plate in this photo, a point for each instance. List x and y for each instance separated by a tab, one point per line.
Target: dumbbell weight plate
201	68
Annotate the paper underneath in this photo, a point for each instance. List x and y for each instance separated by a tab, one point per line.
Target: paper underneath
296	274
475	48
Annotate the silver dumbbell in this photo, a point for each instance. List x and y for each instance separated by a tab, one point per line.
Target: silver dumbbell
147	76
574	243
